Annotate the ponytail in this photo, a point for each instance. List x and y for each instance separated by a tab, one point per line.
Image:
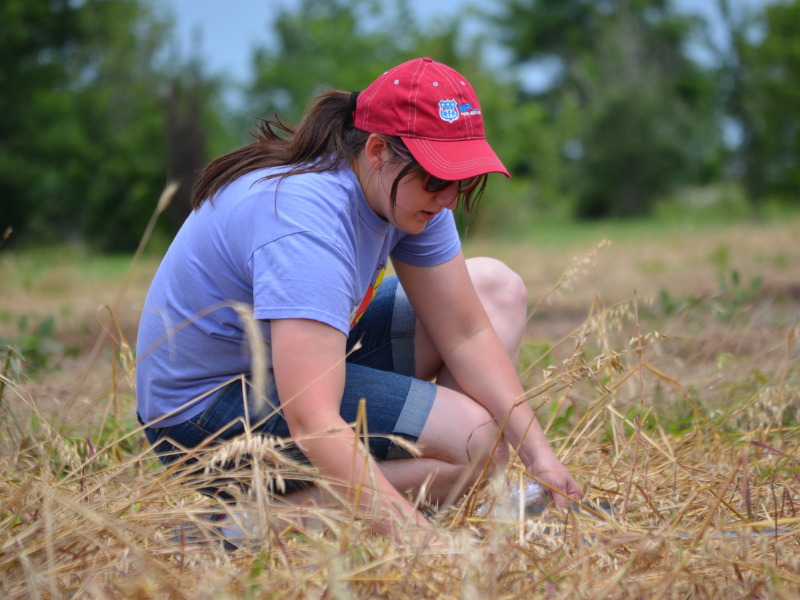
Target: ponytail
323	140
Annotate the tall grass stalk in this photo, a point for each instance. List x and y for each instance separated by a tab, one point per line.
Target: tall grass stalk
691	477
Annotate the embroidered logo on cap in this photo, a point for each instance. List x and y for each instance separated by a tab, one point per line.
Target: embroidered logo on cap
448	110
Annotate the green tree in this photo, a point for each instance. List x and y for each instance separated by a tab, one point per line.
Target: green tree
123	150
645	122
195	119
36	40
778	62
95	117
737	83
326	44
759	79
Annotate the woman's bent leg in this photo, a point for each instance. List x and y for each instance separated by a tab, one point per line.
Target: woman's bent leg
504	297
456	441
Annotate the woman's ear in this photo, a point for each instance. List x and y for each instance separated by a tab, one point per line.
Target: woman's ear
377	151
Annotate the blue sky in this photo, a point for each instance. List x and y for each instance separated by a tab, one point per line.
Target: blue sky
224	32
229	29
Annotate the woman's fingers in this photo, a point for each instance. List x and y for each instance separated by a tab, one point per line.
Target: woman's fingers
564	483
576	491
552	472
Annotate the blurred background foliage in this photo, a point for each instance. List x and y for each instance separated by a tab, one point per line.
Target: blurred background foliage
97	111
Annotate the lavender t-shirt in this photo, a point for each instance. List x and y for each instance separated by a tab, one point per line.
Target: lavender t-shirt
315	251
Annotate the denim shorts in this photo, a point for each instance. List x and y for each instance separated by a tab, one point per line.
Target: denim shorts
381	371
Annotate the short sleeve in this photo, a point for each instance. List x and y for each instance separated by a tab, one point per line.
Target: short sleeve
303	276
435	245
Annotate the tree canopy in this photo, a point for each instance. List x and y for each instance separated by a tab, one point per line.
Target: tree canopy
88	113
645	122
97	111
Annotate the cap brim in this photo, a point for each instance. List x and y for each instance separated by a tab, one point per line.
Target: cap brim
455	160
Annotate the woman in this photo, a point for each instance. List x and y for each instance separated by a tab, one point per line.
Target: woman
301	229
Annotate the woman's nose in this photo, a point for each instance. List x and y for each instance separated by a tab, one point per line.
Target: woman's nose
448	197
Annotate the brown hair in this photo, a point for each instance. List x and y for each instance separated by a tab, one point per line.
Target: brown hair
324	140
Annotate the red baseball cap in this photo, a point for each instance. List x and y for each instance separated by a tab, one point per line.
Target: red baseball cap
435	111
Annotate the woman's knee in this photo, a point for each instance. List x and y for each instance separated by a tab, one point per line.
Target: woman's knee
488	447
462	432
500	289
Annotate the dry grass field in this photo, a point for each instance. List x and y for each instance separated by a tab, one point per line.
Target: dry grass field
677	409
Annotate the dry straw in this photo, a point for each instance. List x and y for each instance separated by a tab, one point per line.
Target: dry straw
692	491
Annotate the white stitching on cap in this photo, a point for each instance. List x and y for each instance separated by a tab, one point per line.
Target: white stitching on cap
383	80
422	65
433	138
408	100
369	98
437	159
367	106
444	165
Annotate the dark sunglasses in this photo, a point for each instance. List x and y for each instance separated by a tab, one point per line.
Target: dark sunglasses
435	184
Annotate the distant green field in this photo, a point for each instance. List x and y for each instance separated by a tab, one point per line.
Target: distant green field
510	214
685	247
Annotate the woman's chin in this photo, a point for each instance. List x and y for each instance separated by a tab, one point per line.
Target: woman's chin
413	227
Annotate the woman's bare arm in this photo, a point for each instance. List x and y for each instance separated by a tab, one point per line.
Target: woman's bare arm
308	359
451	312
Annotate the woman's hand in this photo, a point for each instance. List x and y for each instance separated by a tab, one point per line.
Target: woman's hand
546	467
449	309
